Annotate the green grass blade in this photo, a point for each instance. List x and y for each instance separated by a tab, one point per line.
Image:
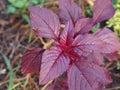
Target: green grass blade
16	85
11	75
30	36
7	61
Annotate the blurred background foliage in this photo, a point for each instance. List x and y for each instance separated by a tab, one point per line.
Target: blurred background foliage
114	22
20	7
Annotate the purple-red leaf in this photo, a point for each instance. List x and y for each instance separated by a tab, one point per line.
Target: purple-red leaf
69	11
83	25
110	41
96	57
31	61
54	64
84	75
44	22
102	10
86	44
67	34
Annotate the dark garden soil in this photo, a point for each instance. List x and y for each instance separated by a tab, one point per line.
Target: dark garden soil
15	40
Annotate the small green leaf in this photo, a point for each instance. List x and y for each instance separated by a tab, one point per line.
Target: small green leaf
18	3
25	16
96	27
11	9
34	2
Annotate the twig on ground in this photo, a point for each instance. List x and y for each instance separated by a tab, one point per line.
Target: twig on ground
28	76
46	85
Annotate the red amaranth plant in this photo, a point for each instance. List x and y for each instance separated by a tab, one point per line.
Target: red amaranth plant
75	51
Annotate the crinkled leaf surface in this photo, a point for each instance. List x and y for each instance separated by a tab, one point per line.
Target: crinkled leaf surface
44	22
31	61
69	11
102	10
54	63
110	41
84	75
83	25
96	57
86	44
